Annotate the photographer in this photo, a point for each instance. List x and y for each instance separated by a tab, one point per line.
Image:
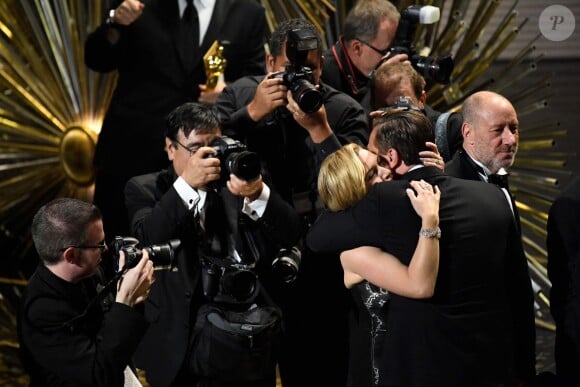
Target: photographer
276	117
66	337
400	85
367	35
218	217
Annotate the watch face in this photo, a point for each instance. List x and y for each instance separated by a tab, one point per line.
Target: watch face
111	18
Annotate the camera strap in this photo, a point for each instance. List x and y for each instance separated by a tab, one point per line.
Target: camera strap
350	75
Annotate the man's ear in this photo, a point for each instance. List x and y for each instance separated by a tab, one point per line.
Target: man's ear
70	256
270	63
393	158
170	149
467	132
423	98
354	47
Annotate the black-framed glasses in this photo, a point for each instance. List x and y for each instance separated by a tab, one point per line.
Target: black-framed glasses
101	246
382	52
191	149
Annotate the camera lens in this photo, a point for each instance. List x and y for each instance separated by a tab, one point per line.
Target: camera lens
245	165
438	69
286	264
306	95
240	284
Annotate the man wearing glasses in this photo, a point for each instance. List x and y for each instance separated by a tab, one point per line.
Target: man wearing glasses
238	221
368	32
68	335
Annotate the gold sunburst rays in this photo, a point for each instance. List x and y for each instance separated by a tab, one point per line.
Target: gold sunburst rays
51	106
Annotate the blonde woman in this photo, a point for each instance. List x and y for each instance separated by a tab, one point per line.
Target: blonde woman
345	177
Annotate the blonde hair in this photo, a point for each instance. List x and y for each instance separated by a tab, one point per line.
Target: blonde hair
342	178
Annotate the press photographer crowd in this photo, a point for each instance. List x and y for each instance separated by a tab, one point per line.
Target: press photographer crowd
293	216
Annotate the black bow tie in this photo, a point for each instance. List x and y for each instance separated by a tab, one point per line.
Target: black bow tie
499	180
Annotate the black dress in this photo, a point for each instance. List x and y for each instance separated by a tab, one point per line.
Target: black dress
374	301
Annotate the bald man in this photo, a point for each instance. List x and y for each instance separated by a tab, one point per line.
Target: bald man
490	143
490	137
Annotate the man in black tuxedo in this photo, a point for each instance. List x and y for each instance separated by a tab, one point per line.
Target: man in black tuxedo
201	204
142	41
465	334
490	143
563	243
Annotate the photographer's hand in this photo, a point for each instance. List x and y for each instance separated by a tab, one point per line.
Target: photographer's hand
210	96
133	287
125	14
201	168
270	94
394	59
248	189
432	157
315	123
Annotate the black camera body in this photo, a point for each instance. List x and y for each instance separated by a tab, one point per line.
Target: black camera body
226	280
162	254
235	159
434	68
402	104
296	76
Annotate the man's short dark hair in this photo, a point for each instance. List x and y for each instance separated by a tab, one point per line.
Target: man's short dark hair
61	223
405	131
280	35
189	117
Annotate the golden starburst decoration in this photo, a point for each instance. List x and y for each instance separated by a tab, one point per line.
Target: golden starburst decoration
52	106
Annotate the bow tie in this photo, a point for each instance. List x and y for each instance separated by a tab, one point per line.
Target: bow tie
499	180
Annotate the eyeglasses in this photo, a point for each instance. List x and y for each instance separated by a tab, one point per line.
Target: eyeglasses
191	149
382	52
101	246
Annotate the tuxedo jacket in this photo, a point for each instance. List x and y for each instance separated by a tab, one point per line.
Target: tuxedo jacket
93	351
462	166
153	80
563	244
465	333
158	214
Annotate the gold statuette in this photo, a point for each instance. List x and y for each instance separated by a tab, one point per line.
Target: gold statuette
215	64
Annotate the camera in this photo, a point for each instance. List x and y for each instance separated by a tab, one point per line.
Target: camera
226	280
286	264
297	77
438	69
162	255
402	104
236	159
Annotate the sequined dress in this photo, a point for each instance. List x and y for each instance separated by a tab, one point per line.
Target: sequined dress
375	301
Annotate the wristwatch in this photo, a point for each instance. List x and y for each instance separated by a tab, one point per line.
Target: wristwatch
111	17
430	233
